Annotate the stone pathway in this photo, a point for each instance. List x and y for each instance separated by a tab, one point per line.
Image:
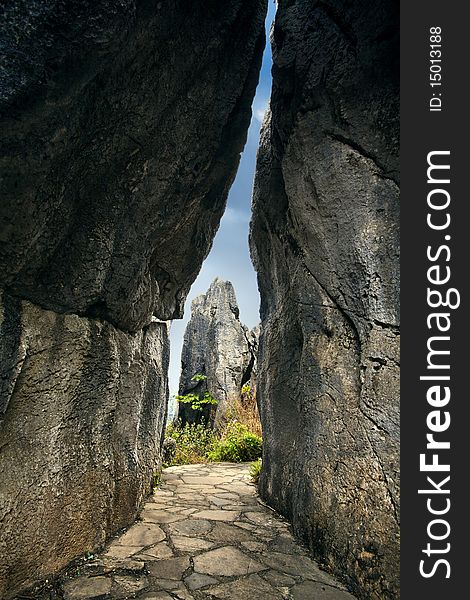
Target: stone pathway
205	535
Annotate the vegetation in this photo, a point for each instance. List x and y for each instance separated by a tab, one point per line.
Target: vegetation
239	440
246	410
237	444
197	401
199	377
191	443
255	470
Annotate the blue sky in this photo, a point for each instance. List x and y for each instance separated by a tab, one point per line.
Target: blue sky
230	257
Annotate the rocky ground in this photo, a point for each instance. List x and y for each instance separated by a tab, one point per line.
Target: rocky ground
205	534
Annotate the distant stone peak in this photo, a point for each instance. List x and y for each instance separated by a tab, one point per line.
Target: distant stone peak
218	346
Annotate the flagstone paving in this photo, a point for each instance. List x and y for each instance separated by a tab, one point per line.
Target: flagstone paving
205	535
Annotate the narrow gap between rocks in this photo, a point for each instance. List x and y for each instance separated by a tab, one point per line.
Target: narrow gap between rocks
229	258
205	533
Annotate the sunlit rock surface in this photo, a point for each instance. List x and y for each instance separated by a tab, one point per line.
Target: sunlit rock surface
80	436
221	349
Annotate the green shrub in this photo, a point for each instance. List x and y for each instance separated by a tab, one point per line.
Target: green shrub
246	391
197	443
192	443
197	402
255	470
199	377
236	444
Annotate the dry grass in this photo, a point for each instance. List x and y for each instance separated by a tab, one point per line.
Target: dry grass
246	413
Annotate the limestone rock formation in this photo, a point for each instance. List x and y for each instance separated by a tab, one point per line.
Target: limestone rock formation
80	438
122	125
325	243
219	347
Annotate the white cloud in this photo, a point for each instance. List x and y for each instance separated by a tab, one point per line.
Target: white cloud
234	217
259	110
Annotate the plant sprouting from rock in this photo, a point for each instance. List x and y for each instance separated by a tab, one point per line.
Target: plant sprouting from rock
196	401
199	377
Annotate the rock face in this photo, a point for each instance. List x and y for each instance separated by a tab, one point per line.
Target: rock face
122	125
325	242
122	128
218	346
80	436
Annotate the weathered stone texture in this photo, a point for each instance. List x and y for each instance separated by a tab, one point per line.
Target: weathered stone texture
122	125
218	346
325	242
80	435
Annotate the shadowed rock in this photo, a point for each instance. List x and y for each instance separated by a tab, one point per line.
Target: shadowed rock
324	238
122	126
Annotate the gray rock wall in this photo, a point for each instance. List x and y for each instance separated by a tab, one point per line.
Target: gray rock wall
122	124
325	243
218	346
81	434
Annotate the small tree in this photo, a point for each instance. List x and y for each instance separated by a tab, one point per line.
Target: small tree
199	377
197	401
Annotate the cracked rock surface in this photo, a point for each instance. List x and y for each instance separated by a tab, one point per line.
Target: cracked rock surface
218	346
139	110
205	535
122	125
324	239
